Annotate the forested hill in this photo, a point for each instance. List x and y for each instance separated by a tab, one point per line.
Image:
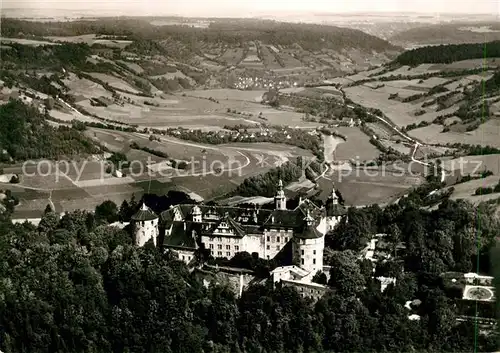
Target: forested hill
449	33
77	285
308	36
449	53
25	134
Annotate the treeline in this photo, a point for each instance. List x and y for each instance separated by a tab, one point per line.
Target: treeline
488	190
266	184
25	134
449	53
48	57
75	284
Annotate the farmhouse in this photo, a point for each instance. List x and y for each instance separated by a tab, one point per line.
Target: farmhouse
294	237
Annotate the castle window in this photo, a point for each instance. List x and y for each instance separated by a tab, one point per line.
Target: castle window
228	247
277	247
268	247
314	252
219	253
268	238
286	239
302	252
236	247
302	261
183	258
219	246
211	246
314	261
142	223
228	254
278	239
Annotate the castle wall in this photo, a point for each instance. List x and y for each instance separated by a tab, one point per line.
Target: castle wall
224	246
274	241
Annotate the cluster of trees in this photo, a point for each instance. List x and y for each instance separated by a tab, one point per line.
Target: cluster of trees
487	190
266	184
24	134
449	53
75	284
415	126
468	177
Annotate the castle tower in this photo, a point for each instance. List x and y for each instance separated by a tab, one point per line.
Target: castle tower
308	246
197	215
334	197
145	223
280	198
334	211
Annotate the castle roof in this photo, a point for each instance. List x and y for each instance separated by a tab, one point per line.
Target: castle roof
181	237
144	214
334	209
309	232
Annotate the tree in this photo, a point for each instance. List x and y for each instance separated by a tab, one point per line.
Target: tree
107	211
345	273
320	278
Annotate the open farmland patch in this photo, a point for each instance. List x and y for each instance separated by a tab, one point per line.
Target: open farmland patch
401	148
474	164
406	70
232	56
30	42
229	94
114	82
362	188
401	114
269	59
132	66
357	146
85	87
57	114
466	64
467	190
486	134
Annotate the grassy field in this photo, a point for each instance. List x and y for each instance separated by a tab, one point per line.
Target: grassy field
357	146
366	187
485	134
84	87
31	42
232	56
399	113
114	82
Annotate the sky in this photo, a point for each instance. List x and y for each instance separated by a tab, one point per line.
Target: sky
250	7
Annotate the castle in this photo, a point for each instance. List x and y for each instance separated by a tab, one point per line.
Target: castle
297	235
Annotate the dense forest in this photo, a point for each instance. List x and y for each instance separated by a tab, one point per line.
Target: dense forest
308	36
449	53
25	134
74	284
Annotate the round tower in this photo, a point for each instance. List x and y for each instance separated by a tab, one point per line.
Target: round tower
308	246
145	223
280	198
